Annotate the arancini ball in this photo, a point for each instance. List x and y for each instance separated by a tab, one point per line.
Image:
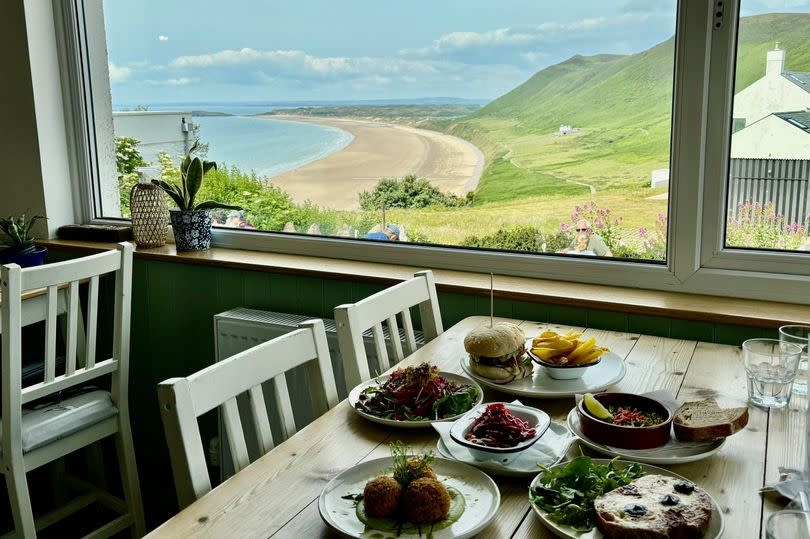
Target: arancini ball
425	500
381	496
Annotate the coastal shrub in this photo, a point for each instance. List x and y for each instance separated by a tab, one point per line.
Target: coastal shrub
519	238
408	192
127	160
758	225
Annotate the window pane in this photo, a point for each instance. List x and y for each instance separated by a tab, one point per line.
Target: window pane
498	125
768	201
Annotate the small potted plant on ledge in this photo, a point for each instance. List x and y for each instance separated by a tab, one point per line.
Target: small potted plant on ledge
17	243
191	222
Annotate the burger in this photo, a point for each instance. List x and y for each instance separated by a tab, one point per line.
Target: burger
498	352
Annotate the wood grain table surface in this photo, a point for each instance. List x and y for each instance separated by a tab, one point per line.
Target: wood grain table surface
277	496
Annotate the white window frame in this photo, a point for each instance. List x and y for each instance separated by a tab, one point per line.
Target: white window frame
697	260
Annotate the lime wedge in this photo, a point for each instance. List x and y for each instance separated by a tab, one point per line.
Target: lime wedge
596	408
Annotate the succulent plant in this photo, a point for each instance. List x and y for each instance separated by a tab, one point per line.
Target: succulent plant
15	233
192	172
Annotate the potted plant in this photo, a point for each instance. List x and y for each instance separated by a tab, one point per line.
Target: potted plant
190	221
17	244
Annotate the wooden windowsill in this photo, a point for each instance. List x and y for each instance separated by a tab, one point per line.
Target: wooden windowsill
765	314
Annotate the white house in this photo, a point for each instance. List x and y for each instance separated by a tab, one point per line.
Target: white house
782	135
777	91
170	132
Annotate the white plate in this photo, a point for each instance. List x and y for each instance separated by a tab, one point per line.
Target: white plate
608	372
481	496
354	396
673	452
525	465
714	531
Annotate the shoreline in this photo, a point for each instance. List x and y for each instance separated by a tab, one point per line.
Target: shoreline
379	150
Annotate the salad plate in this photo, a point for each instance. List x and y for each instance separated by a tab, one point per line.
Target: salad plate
673	452
462	405
481	495
610	370
714	530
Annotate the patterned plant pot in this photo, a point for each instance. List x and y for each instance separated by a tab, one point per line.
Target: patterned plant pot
192	229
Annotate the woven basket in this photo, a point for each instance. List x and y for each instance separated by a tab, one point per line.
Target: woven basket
150	215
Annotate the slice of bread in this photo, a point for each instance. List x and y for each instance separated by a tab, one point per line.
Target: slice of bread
704	420
651	507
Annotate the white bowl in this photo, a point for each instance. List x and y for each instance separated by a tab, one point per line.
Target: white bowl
537	419
563	372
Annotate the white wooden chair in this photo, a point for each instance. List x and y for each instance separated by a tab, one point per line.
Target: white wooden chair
34	436
353	320
183	400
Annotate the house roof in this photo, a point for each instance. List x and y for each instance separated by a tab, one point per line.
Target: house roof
799	119
800	79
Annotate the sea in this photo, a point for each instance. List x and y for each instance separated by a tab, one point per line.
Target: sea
267	147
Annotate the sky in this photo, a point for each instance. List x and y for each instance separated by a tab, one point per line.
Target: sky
327	50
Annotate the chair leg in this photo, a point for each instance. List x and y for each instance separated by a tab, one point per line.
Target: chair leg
129	476
20	500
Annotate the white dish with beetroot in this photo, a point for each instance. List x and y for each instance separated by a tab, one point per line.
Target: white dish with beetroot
499	431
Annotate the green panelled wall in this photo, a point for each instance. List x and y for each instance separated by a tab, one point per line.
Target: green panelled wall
172	335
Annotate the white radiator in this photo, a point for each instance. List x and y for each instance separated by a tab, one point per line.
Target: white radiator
239	329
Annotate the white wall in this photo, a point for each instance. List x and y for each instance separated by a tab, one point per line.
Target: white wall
156	131
772	93
771	137
33	145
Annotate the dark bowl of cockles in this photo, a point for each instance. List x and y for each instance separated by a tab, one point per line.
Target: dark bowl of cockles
638	422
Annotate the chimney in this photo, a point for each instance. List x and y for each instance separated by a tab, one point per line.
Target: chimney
775	65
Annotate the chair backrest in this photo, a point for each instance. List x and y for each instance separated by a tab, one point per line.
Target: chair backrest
43	292
183	400
354	319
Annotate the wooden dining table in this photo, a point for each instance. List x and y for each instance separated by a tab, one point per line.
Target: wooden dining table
277	495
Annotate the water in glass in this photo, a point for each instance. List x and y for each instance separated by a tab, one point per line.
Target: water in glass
771	367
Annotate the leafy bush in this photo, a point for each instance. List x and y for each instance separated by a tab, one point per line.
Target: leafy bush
127	160
519	238
408	192
758	225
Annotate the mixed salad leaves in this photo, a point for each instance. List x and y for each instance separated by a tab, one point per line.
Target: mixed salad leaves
417	394
567	492
498	427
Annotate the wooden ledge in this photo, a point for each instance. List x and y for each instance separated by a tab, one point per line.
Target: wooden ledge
735	311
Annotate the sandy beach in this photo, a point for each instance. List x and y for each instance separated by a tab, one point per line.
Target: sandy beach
380	150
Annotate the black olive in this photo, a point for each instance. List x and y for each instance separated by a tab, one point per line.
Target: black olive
669	499
684	487
635	509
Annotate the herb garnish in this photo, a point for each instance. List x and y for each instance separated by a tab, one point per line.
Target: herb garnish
567	492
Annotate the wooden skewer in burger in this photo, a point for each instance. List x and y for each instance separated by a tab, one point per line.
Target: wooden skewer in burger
498	351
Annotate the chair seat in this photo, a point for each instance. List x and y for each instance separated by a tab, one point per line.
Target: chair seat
47	423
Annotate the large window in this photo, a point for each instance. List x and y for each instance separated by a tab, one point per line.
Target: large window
468	135
499	126
768	189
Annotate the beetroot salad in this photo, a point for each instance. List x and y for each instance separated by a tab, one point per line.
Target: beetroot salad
498	427
417	394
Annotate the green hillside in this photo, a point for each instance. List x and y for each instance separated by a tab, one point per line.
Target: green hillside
621	104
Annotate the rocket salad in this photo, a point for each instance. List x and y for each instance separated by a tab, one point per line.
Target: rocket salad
417	394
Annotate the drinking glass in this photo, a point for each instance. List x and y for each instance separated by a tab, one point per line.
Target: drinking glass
770	366
798	335
788	525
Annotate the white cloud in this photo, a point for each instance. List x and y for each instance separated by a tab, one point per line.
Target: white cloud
262	65
163	38
180	81
118	74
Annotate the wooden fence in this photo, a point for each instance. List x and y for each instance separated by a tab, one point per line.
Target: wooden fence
784	182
